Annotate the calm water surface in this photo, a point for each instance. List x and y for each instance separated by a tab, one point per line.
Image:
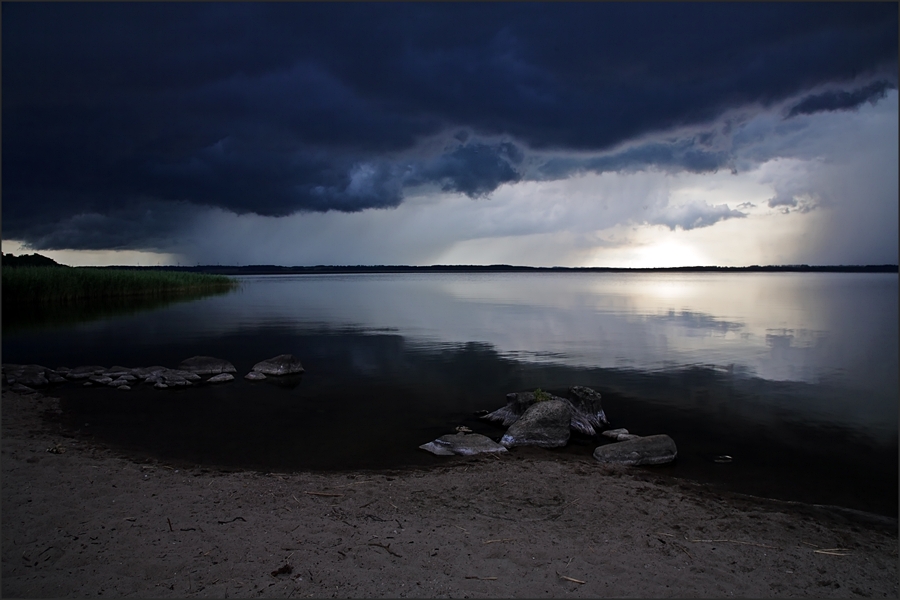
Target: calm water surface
794	375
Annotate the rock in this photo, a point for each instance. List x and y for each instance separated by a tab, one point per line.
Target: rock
87	384
55	378
206	365
588	416
544	424
147	372
283	364
101	379
620	435
123	387
465	444
587	413
160	385
118	382
649	450
220	378
85	372
27	375
32	377
254	376
516	405
182	374
117	371
22	389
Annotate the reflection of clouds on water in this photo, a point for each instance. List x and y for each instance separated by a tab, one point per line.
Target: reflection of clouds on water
838	330
697	322
794	355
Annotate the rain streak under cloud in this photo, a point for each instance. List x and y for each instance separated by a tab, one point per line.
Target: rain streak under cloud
544	134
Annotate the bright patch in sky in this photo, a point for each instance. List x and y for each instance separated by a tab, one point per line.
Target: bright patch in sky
570	134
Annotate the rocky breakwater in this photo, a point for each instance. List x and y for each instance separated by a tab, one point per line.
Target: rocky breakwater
196	370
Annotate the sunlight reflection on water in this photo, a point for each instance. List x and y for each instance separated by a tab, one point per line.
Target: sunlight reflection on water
780	366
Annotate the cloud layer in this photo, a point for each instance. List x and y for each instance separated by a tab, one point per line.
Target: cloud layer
126	124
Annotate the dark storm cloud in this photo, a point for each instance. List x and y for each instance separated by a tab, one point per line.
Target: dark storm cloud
474	169
274	108
840	99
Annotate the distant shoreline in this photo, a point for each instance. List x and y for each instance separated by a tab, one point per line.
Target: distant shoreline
340	269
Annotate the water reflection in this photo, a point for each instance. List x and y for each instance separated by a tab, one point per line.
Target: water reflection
792	374
30	316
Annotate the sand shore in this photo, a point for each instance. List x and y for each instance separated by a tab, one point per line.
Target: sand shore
83	520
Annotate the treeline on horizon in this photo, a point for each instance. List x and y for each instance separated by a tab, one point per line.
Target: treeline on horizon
39	260
335	269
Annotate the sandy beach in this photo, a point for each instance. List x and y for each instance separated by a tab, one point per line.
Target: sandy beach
80	519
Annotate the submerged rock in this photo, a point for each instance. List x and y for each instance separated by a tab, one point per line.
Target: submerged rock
85	372
117	371
283	364
620	435
465	444
649	450
220	378
587	414
206	365
254	376
544	424
147	372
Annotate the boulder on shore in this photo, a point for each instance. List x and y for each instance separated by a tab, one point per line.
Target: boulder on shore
206	365
465	444
544	424
283	364
587	414
649	450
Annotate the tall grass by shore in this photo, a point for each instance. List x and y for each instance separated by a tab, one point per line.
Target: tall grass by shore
67	285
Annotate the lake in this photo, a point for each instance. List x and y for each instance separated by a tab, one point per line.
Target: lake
794	375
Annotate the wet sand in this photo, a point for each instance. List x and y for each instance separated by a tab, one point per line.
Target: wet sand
84	520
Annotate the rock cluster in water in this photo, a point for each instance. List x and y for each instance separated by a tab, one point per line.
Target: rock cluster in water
192	371
544	420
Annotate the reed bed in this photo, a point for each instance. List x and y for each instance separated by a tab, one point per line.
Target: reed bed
67	285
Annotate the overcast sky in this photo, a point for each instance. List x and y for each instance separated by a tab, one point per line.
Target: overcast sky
586	134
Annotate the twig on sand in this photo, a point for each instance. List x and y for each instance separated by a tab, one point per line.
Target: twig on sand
737	542
322	494
481	578
458	527
833	551
503	540
355	483
572	579
170	524
369	503
684	550
386	547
